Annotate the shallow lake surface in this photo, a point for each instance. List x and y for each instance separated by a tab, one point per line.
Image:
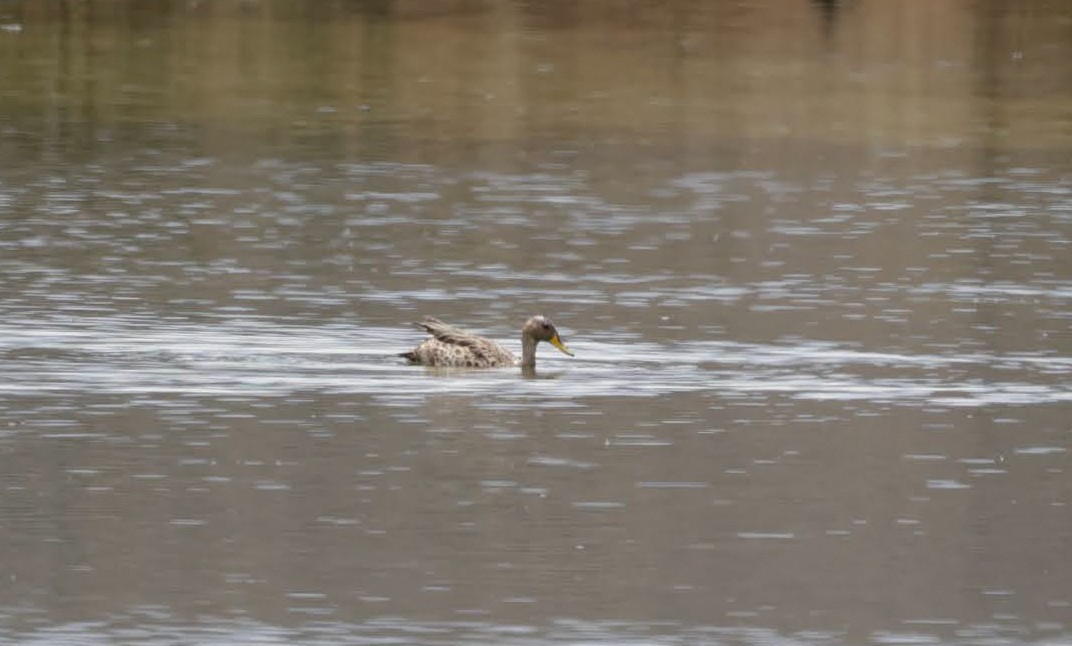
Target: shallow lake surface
813	259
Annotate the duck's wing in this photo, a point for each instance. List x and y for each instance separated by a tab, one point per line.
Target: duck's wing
476	351
447	333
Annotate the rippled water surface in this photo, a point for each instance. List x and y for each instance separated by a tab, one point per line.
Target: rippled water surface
817	278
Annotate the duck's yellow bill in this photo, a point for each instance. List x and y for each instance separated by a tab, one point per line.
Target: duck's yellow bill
557	342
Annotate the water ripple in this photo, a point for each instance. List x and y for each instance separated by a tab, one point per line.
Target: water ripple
133	356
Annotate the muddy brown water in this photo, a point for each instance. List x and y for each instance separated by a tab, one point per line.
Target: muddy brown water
813	258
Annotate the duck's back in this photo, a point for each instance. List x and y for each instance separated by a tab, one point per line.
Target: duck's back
451	347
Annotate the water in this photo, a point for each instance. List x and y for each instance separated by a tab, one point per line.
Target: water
819	296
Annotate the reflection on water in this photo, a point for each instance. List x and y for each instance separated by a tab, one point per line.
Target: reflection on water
812	258
120	356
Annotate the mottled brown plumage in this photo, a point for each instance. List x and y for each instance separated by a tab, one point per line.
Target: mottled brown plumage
454	348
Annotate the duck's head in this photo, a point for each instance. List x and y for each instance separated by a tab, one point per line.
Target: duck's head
540	328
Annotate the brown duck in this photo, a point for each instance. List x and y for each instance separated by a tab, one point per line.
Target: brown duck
450	347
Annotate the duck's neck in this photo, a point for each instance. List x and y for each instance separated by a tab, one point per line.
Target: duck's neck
528	351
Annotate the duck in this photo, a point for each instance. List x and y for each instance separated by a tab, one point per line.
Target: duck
451	347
